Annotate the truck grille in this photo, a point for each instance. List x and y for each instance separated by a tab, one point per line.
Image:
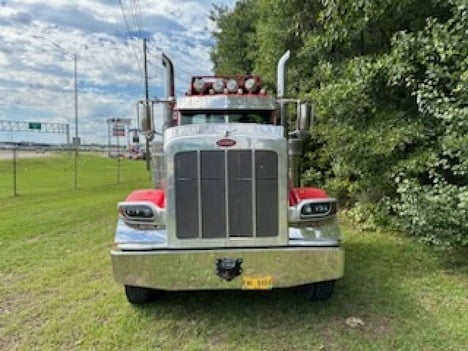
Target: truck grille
226	194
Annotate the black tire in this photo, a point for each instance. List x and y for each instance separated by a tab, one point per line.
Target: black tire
139	296
320	291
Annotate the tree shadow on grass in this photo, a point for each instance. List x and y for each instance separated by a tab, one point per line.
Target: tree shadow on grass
455	261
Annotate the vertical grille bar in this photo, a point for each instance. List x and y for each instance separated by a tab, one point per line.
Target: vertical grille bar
213	194
186	194
266	188
240	193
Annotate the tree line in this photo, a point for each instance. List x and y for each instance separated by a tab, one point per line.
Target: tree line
388	79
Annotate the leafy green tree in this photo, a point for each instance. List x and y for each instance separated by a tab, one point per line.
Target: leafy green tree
388	79
281	26
363	124
233	36
433	64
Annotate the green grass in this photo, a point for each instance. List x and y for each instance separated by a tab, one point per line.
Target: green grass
57	173
57	290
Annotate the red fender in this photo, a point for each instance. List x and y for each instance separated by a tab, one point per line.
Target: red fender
156	196
296	195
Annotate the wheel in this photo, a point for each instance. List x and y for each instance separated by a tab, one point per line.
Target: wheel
320	291
138	296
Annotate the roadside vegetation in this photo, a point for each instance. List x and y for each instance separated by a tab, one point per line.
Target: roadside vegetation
57	290
389	83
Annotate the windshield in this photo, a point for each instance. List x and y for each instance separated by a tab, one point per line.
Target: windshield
197	117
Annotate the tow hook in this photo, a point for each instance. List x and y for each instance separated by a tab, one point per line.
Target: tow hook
228	268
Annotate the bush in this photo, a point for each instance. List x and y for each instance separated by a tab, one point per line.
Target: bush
436	214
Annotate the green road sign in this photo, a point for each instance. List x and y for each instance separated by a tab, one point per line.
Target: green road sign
34	125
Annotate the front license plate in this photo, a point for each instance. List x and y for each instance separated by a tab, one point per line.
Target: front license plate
259	282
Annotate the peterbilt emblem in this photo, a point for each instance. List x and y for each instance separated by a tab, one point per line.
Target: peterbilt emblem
226	142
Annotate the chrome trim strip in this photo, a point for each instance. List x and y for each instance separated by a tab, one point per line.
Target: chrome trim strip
226	193
313	234
226	102
254	196
199	186
264	131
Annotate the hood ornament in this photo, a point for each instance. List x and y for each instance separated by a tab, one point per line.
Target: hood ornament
228	132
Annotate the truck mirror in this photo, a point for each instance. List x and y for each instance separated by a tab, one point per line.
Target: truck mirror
146	118
304	117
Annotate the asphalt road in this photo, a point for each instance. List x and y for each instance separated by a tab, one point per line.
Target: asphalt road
8	154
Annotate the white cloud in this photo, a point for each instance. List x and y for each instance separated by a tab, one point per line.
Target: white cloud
38	40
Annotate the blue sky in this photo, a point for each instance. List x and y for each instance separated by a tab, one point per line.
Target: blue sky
38	40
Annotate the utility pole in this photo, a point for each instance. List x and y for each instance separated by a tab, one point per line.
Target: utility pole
146	70
147	105
77	140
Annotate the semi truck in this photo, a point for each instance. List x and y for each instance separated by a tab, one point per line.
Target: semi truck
226	210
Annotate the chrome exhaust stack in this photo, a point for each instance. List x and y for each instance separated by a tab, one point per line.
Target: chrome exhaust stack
170	86
170	90
281	89
157	152
281	74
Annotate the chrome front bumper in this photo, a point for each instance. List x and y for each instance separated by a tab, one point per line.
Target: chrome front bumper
195	269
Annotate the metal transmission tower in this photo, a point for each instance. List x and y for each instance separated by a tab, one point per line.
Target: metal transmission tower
38	127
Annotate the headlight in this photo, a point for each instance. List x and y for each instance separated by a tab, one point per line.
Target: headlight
138	212
232	86
251	85
199	85
218	85
141	212
312	210
320	208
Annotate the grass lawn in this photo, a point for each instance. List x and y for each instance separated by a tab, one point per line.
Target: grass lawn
57	290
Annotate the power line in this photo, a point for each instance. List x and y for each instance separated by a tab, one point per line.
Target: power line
137	16
127	26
